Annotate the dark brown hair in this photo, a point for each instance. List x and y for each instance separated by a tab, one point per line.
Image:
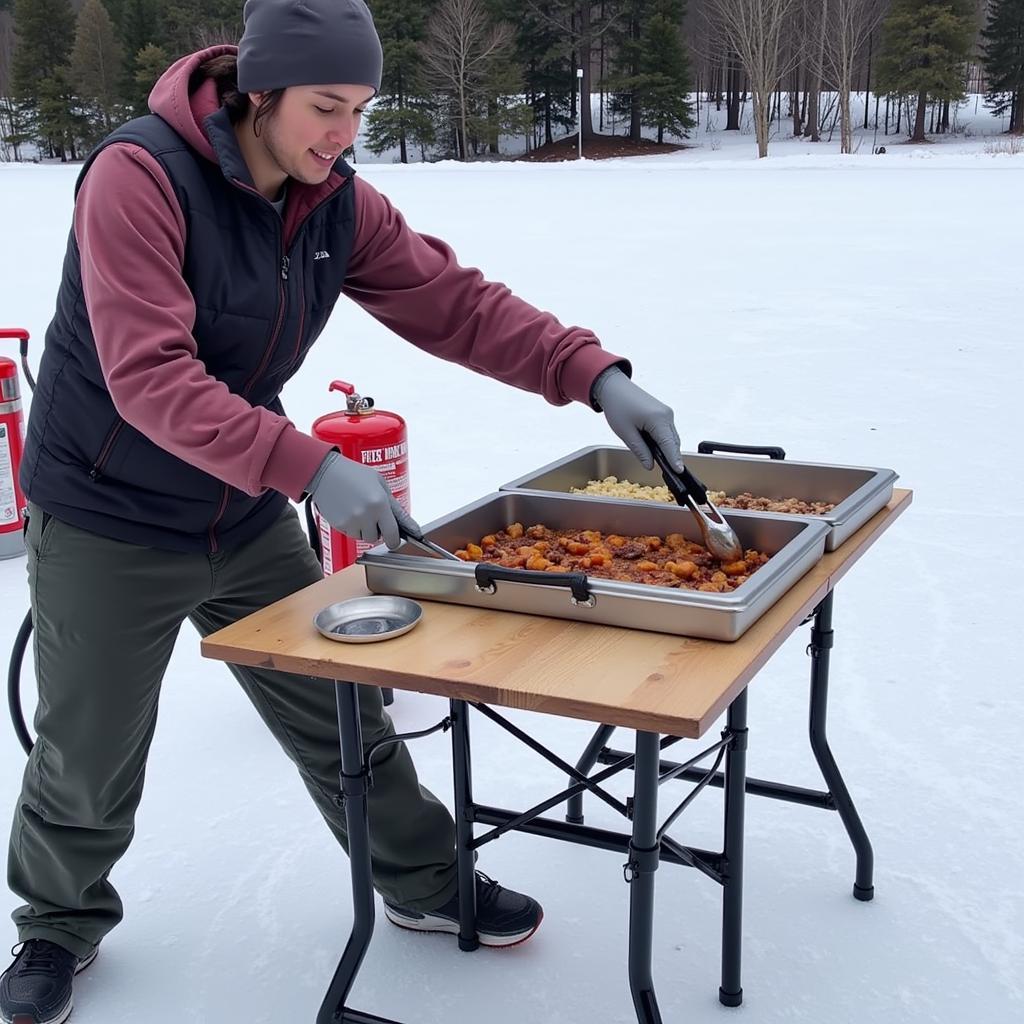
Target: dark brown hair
224	72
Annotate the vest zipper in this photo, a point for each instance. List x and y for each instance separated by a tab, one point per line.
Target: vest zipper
282	305
96	471
214	546
302	291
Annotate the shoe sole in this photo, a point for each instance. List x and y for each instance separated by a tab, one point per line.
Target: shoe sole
438	926
27	1018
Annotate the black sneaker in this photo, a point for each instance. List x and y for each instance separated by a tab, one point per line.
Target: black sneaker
36	988
503	917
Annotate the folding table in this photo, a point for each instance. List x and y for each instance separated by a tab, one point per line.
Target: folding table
665	688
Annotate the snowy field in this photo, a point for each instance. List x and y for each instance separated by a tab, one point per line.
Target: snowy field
862	310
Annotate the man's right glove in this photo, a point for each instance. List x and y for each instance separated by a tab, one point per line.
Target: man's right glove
357	501
629	409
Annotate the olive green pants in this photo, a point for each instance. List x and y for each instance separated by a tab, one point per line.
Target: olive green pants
106	617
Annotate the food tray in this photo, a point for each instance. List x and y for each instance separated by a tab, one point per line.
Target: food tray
857	492
795	544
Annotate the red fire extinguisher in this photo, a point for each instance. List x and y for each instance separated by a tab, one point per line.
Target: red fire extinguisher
371	437
12	446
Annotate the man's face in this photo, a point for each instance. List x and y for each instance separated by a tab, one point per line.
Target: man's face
311	126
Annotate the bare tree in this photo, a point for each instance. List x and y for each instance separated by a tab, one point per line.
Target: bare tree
848	26
754	29
461	44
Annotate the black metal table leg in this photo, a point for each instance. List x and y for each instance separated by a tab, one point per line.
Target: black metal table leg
466	858
730	993
820	646
644	850
574	808
354	785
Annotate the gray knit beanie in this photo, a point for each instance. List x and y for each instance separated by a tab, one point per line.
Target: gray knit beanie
308	42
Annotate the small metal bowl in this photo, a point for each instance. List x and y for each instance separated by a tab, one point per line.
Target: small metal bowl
365	620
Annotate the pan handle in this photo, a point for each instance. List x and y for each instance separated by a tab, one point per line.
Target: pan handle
487	573
710	447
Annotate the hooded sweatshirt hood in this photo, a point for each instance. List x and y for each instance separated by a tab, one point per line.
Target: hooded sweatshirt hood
185	112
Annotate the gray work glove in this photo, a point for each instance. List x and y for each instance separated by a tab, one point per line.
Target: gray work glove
629	409
357	501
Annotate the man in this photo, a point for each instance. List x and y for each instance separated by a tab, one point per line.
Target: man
159	461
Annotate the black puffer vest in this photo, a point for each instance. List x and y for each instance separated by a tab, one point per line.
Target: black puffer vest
258	309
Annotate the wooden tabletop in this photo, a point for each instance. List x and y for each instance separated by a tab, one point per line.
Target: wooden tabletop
651	681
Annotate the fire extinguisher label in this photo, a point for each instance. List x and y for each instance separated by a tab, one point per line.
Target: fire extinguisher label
392	462
8	496
375	456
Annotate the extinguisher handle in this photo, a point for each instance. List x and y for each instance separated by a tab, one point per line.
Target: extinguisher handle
19	333
341	385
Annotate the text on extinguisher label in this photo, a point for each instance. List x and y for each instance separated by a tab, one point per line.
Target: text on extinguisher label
374	456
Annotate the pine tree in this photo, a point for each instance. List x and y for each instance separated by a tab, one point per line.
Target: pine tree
401	115
60	124
1004	60
45	33
925	45
664	102
651	77
543	51
140	25
149	63
96	67
626	82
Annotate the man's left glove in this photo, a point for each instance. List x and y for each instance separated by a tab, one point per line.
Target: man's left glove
629	409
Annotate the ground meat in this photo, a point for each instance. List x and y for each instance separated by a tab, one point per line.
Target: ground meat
673	561
792	506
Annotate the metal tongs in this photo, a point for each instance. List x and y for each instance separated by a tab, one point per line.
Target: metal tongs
719	537
428	545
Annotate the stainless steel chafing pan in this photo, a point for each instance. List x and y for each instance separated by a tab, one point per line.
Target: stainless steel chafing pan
857	492
794	543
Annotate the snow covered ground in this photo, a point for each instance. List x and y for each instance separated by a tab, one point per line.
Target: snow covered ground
859	310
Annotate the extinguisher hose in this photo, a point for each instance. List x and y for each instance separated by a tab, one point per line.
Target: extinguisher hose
13	683
25	367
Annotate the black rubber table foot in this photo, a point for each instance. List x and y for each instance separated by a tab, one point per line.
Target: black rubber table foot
730	998
864	894
468	945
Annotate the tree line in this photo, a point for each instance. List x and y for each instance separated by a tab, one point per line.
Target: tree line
463	77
